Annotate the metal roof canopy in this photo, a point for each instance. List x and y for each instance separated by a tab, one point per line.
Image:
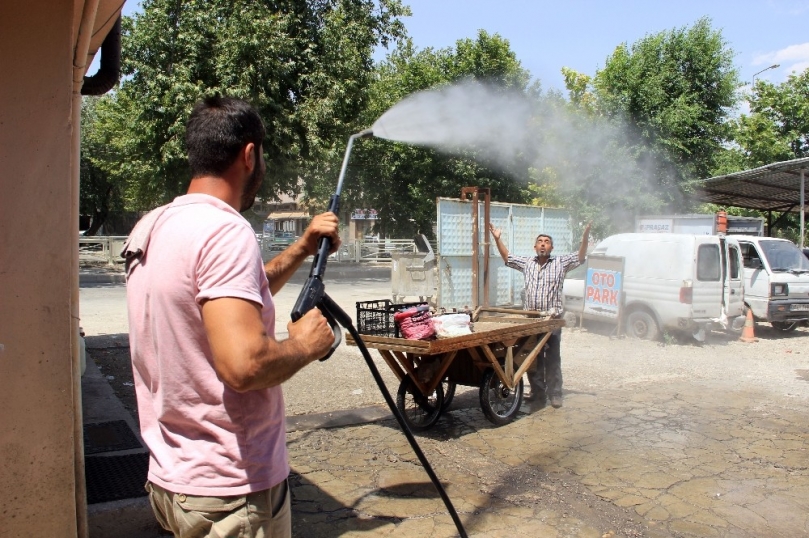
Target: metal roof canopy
774	187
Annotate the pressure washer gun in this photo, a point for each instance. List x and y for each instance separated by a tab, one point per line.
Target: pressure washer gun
313	294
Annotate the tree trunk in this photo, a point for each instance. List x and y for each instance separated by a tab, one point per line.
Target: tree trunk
100	214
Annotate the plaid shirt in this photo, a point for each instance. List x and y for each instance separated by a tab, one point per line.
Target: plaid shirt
543	283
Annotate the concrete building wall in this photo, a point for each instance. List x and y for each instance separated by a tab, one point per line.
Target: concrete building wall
41	467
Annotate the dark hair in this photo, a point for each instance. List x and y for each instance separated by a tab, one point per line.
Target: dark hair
218	129
544	235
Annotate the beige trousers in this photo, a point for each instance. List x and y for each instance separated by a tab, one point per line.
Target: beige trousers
262	514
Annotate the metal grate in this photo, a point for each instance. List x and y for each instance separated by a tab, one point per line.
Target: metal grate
109	437
112	478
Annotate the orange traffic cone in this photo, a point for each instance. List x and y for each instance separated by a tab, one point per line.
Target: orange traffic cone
748	333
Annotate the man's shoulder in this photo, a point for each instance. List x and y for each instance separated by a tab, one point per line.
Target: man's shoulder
203	230
202	207
205	218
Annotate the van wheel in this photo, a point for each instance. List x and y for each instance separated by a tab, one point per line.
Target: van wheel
641	325
785	326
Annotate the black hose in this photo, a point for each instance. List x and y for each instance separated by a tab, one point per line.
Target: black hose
313	294
410	438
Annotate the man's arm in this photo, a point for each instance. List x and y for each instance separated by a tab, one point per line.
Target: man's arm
585	238
247	358
281	268
501	248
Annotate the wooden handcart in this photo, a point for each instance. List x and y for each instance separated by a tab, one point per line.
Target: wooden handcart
494	357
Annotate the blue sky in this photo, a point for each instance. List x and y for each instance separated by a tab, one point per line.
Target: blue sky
580	34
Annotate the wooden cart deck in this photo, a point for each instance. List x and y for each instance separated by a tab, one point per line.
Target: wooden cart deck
486	331
496	342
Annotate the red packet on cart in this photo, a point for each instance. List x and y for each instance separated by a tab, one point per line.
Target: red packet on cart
415	323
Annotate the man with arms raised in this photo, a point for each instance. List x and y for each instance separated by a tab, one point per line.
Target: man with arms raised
544	276
207	366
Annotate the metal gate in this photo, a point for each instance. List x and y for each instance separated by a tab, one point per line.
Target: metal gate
520	225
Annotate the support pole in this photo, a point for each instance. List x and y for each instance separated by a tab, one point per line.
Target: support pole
475	251
487	202
476	193
802	205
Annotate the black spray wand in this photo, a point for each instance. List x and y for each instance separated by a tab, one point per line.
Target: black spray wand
319	265
313	295
314	291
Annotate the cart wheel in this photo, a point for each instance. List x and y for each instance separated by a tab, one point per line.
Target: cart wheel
419	411
449	393
500	404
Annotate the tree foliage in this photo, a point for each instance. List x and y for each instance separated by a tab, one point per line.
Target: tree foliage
304	64
653	119
675	89
99	193
777	127
626	141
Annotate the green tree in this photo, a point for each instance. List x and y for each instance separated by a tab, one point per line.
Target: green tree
777	127
304	64
99	194
579	87
675	89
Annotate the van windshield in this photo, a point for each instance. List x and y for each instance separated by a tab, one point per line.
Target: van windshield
784	256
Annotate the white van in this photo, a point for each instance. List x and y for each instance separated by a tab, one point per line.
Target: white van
681	282
776	275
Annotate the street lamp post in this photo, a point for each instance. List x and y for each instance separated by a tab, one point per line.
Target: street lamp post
773	66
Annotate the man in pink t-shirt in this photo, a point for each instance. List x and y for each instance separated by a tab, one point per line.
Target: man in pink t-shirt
207	367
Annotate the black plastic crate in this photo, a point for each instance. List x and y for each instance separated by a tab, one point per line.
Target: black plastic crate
375	318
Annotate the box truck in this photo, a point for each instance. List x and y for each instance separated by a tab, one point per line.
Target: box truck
682	282
701	224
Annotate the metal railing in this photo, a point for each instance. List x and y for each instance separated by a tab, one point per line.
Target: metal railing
374	251
101	249
354	252
107	249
